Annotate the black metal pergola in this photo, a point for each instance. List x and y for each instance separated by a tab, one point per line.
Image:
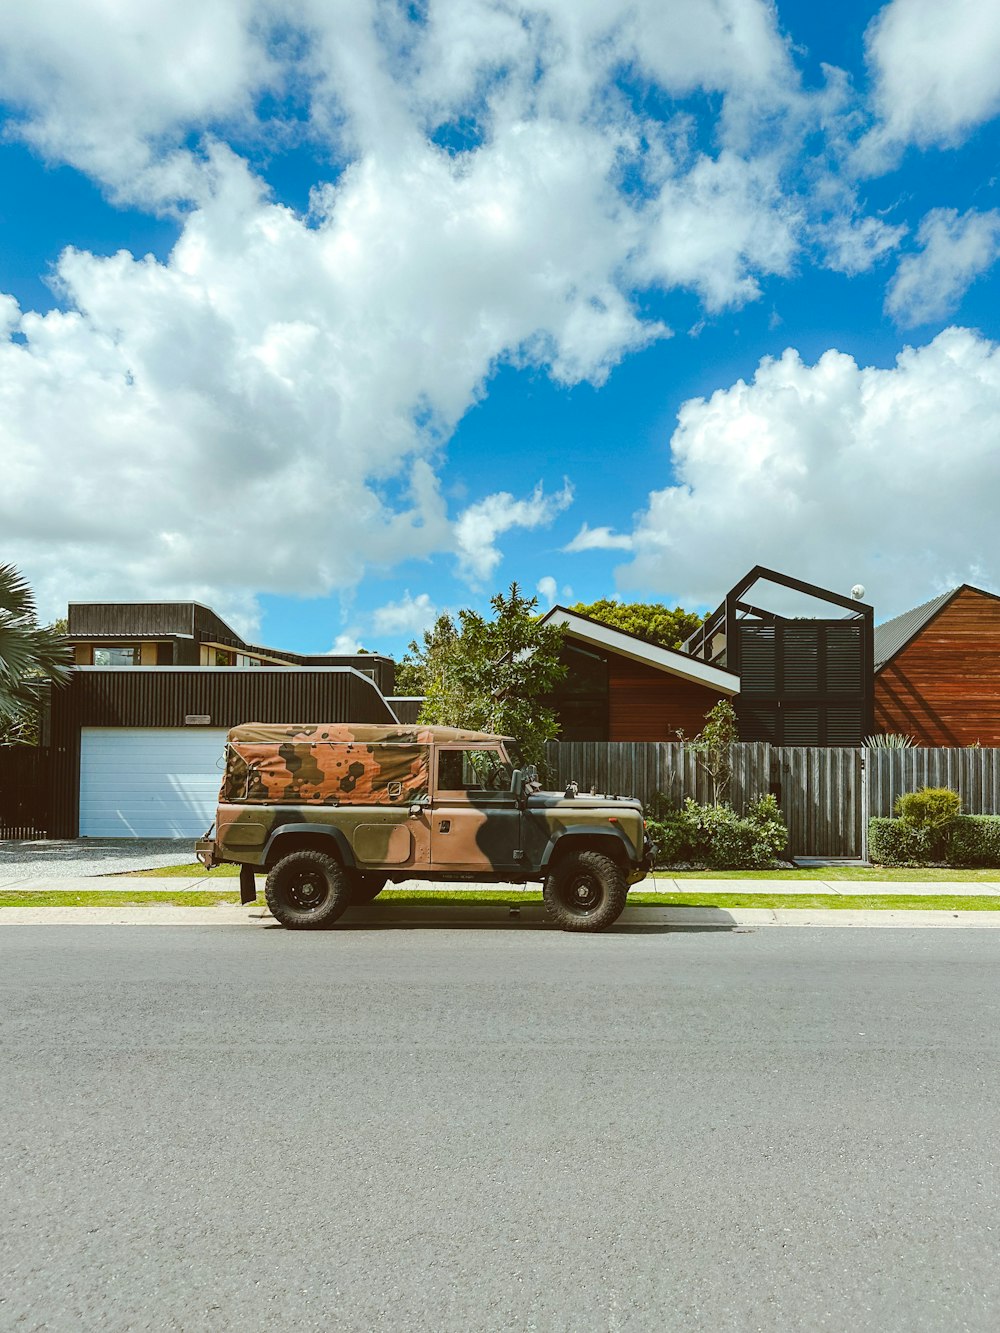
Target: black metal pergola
804	680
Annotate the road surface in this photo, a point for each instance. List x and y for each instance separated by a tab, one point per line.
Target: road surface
493	1129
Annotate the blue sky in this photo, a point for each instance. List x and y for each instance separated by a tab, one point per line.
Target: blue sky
336	317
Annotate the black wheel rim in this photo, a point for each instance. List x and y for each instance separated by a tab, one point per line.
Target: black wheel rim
583	894
307	891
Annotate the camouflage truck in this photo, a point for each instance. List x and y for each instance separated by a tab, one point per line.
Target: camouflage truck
333	813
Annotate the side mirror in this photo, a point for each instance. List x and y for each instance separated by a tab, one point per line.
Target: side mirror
517	783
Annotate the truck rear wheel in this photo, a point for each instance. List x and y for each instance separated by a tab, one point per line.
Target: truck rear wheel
585	891
307	890
365	886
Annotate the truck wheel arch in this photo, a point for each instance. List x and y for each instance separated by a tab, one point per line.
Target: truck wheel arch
308	837
585	838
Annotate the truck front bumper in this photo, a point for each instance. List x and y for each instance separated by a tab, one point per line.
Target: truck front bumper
646	864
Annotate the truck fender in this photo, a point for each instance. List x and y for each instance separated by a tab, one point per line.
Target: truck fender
590	832
319	836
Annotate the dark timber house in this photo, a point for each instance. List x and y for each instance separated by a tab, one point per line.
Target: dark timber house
937	670
136	737
620	687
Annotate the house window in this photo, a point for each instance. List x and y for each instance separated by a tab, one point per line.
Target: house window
243	661
223	658
116	656
581	699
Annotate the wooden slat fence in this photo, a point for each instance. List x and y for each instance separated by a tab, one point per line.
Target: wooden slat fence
974	774
826	794
24	791
819	789
644	768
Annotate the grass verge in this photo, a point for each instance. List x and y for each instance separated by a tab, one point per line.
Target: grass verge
112	898
478	898
829	874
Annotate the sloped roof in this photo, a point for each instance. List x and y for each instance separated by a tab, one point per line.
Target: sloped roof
895	634
669	660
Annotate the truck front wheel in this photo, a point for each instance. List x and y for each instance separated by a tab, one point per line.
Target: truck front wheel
585	891
307	890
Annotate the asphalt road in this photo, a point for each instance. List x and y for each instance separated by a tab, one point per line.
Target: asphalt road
457	1129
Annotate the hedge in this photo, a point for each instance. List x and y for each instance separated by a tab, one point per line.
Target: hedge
897	842
975	841
716	836
971	841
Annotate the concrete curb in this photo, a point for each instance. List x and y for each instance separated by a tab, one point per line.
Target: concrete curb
530	916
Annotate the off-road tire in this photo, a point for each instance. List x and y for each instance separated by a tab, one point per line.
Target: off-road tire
365	886
585	891
307	890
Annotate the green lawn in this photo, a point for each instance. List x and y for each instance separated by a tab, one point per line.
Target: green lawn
112	898
475	898
854	874
860	874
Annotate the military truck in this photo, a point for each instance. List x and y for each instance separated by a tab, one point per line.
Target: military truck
334	813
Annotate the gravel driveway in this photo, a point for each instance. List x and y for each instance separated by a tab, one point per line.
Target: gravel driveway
58	857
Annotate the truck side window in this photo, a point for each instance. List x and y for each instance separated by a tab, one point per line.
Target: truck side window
472	770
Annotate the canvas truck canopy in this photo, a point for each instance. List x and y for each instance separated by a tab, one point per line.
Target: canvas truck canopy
335	764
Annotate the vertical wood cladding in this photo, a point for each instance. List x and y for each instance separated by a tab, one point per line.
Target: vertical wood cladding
943	687
160	697
648	705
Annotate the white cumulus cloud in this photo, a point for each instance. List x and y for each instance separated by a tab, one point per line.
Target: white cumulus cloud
599	539
935	69
547	589
838	474
346	644
955	250
478	527
410	615
266	410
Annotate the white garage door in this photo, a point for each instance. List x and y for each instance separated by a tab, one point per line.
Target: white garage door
149	782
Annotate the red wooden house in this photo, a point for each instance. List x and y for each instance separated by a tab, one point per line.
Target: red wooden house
937	670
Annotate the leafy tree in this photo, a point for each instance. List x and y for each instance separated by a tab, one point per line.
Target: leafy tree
30	655
713	746
650	620
489	674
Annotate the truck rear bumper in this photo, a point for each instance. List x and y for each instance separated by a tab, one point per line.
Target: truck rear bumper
207	852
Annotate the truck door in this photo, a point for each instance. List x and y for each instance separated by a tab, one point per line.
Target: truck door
475	819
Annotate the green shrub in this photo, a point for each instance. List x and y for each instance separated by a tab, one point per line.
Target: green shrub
975	841
897	842
934	809
716	836
930	807
672	836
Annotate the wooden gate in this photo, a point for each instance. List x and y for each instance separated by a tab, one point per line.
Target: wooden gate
823	798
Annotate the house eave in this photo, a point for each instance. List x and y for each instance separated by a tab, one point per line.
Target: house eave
667	660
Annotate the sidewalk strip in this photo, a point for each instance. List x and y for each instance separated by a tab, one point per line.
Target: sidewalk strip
530	916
